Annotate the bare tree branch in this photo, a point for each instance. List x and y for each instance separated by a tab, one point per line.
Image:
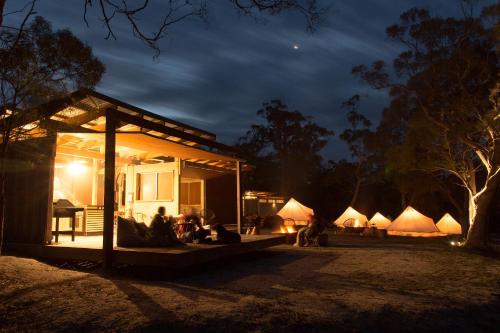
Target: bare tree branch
20	30
308	8
176	11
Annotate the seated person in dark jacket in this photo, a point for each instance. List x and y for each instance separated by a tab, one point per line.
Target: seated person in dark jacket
194	232
225	236
308	235
200	233
162	230
311	234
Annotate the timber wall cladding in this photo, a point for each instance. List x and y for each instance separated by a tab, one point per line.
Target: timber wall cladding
28	191
221	198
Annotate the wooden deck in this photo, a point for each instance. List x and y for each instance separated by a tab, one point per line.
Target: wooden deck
179	257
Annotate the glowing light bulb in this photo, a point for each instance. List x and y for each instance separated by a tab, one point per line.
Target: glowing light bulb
76	168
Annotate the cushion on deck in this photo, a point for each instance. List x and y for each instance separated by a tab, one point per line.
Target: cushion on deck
127	233
142	229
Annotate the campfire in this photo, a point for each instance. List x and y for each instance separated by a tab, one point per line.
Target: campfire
289	231
355	225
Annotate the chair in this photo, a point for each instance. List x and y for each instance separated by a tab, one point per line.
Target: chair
207	216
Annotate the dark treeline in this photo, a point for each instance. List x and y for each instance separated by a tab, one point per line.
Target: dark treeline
435	148
285	153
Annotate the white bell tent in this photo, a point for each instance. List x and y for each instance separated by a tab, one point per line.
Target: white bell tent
351	213
448	225
296	211
379	221
414	224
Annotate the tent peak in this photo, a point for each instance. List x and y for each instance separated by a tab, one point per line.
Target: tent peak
348	214
379	215
413	223
448	225
296	211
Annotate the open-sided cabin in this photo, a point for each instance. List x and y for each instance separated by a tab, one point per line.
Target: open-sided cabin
261	203
108	159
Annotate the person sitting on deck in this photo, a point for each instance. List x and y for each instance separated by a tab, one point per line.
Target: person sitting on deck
162	231
200	234
225	236
192	231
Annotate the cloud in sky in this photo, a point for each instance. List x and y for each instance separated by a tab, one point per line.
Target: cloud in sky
216	75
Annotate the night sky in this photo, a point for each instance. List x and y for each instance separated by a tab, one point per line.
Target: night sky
216	74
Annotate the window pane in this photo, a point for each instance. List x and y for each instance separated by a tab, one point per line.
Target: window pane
184	193
148	186
195	193
166	186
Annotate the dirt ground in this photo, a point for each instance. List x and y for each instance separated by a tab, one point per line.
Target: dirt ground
354	285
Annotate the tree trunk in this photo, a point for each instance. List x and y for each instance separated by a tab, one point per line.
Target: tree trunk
2	4
403	200
357	186
2	209
284	188
479	204
3	156
356	192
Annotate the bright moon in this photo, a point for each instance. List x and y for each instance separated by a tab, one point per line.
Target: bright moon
295	46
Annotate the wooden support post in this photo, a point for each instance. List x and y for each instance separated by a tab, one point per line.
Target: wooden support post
238	196
179	176
50	191
243	206
109	188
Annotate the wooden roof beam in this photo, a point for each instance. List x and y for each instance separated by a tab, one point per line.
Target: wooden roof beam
86	154
60	126
142	112
46	110
172	132
88	116
207	167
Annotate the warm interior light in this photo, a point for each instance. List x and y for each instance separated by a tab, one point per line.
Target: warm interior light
29	126
7	114
76	168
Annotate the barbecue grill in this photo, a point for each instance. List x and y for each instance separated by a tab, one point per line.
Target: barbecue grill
64	208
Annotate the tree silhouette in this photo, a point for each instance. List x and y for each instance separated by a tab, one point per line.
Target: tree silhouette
286	148
447	86
38	64
357	138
